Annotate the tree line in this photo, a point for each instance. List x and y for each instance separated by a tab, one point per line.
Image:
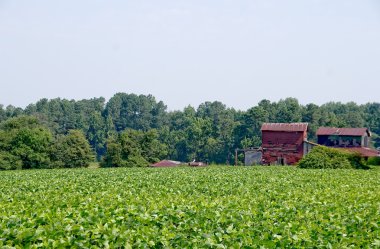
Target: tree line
138	130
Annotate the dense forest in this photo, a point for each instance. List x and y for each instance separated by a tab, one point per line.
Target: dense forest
133	129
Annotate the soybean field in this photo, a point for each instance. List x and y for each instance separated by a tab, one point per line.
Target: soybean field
210	207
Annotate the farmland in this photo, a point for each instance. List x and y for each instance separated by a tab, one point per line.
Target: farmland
213	207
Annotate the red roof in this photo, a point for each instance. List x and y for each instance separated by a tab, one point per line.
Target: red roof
289	127
166	163
366	152
327	131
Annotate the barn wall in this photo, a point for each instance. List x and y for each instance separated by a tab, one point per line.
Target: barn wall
286	145
365	141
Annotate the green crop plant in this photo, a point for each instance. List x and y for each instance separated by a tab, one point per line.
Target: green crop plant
210	207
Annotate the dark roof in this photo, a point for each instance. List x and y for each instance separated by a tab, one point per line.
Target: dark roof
289	127
366	152
327	131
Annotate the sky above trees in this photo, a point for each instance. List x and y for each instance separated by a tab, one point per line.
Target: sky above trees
188	52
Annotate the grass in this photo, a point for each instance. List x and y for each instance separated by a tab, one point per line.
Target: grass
213	207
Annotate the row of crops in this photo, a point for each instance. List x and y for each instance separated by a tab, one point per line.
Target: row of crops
215	207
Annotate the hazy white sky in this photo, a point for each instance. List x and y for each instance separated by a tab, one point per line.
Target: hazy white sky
190	51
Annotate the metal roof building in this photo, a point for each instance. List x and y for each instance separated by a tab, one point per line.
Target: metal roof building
352	139
328	131
283	143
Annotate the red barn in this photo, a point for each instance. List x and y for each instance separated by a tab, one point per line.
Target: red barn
283	143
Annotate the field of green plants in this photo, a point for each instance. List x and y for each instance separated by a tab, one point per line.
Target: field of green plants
215	207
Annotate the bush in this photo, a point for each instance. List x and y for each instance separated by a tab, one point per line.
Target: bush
113	157
133	148
137	161
71	151
374	161
9	161
24	144
357	161
322	157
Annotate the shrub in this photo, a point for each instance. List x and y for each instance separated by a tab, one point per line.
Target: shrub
357	161
9	161
136	161
133	148
322	157
71	151
24	144
374	161
113	157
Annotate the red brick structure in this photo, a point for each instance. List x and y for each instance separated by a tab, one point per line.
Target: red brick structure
283	143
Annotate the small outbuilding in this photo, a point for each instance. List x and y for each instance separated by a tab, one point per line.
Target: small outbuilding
284	143
353	139
343	137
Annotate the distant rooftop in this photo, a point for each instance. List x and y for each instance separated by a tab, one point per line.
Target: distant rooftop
366	152
328	131
289	127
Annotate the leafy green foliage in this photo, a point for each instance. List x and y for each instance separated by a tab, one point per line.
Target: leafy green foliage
96	134
62	115
113	157
322	157
215	207
9	161
356	160
133	111
134	148
71	151
24	142
210	132
374	161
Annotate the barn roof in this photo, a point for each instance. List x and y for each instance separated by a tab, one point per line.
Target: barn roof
288	127
327	131
366	152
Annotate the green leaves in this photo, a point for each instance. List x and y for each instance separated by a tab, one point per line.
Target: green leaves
72	151
26	144
322	157
9	161
133	111
219	207
134	148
